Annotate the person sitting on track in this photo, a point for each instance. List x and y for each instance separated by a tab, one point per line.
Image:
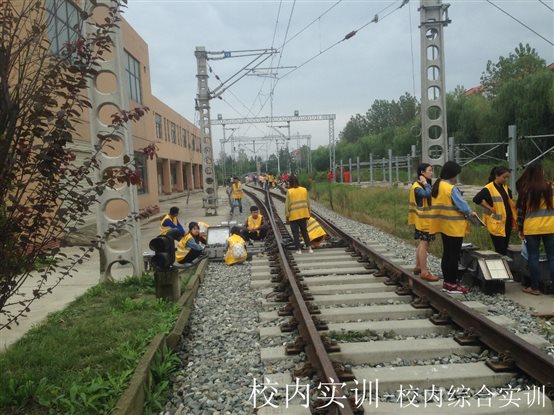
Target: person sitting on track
255	227
188	248
297	213
235	248
449	213
418	215
170	225
535	220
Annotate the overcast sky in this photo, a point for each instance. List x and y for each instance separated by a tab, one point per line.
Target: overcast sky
374	64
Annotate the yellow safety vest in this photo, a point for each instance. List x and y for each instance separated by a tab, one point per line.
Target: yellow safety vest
182	248
229	257
496	223
540	221
444	217
298	203
254	223
237	191
418	215
166	229
315	230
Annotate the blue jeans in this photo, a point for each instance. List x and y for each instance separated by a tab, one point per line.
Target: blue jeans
235	203
533	245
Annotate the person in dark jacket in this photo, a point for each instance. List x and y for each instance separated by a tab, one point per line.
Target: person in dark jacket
499	210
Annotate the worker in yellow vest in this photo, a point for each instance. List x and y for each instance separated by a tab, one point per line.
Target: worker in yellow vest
170	225
235	248
297	213
418	215
499	209
535	220
203	236
316	233
255	227
188	248
236	195
269	182
448	215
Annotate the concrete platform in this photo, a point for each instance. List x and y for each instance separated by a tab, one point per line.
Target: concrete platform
389	350
472	375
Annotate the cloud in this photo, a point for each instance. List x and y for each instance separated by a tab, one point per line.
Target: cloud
374	64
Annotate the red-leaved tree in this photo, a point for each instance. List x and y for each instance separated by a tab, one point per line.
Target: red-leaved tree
44	192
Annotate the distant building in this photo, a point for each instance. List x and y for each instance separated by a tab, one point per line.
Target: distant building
178	167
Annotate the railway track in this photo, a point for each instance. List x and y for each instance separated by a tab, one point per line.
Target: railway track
378	340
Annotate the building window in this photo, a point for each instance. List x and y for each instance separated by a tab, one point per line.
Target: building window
184	136
158	119
63	23
198	146
173	133
132	70
140	166
193	142
166	129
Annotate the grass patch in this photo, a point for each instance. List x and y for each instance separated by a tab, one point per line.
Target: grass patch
80	359
386	209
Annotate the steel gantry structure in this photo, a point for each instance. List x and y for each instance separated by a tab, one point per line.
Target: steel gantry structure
288	119
267	139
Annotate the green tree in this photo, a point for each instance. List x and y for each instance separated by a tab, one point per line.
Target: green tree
522	62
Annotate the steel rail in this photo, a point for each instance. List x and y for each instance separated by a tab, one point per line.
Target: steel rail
527	357
314	347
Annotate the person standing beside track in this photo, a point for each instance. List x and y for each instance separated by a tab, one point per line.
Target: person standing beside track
535	220
420	203
448	217
499	209
297	213
236	195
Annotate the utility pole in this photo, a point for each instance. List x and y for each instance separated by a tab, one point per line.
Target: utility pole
434	16
203	107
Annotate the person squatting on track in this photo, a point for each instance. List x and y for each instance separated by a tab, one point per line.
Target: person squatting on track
297	213
236	195
535	220
418	215
499	209
255	227
448	217
188	248
235	246
315	232
170	225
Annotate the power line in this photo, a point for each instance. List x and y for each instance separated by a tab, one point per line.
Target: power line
349	35
312	22
546	5
519	21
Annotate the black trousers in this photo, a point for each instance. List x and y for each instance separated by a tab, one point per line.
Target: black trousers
175	233
451	250
191	256
254	235
297	226
501	242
